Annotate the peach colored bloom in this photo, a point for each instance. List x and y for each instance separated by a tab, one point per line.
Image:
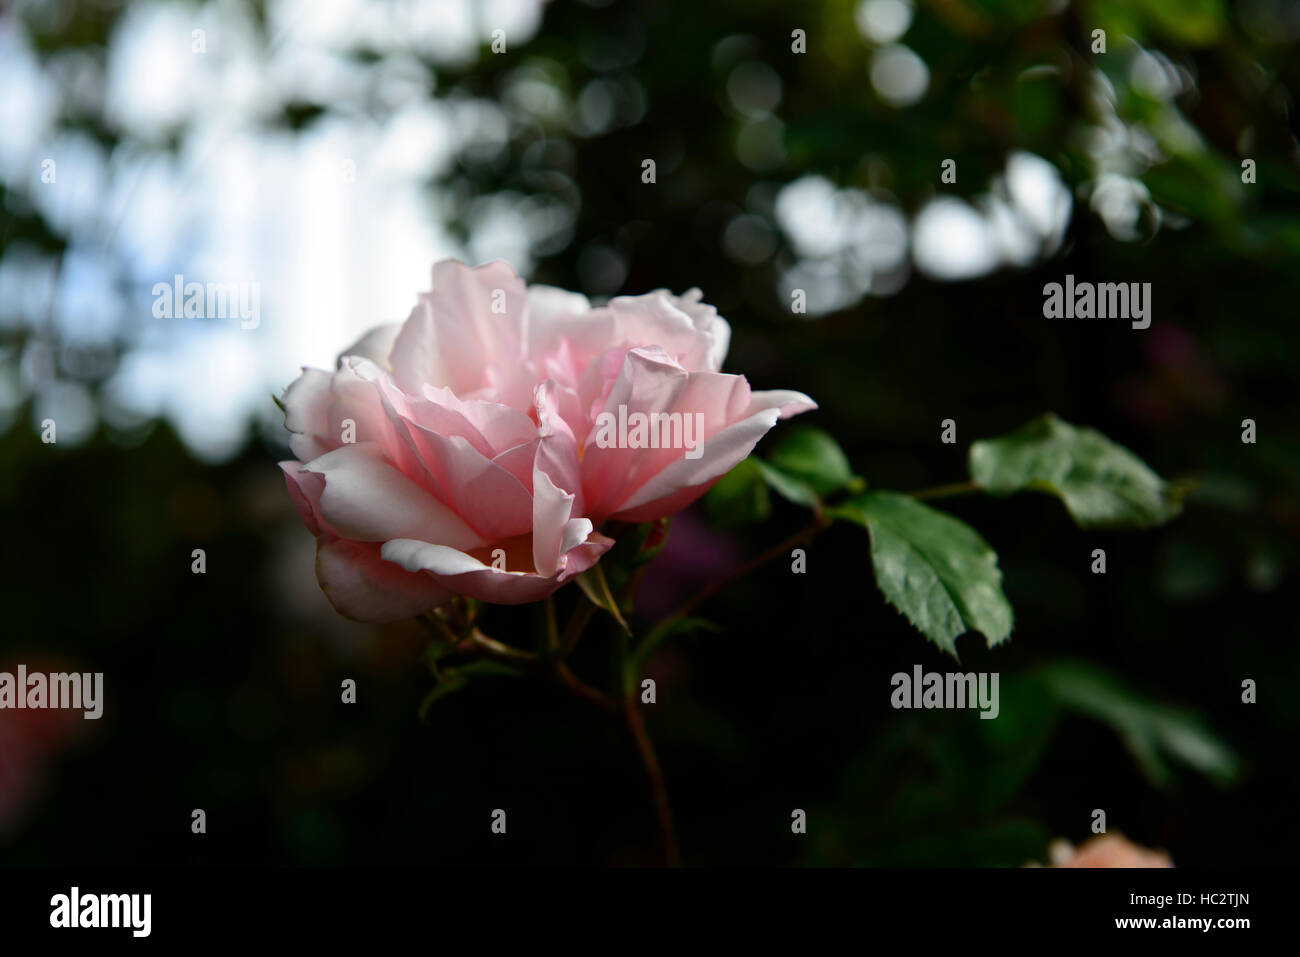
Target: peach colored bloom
475	439
1107	850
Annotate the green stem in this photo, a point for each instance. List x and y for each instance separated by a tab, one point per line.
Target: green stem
552	629
946	491
498	651
554	668
575	626
481	646
525	661
570	682
438	627
658	789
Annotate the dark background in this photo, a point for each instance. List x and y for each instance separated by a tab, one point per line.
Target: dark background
223	689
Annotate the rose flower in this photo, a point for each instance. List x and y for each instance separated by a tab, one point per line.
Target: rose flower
476	448
1106	850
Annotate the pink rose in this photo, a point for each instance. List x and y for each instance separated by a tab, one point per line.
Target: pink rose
476	448
1107	850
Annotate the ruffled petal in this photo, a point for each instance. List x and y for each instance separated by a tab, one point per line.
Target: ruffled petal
466	575
490	498
551	510
306	414
363	586
304	491
365	498
685	479
375	345
456	333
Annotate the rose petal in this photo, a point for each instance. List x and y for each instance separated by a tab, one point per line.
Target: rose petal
689	331
789	402
362	586
368	500
552	315
501	426
492	499
685	479
466	575
557	449
304	491
551	510
375	345
647	383
453	335
306	413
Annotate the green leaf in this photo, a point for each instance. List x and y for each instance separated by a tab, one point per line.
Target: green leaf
449	683
933	568
451	680
596	588
661	633
1194	22
810	455
739	497
486	668
435	651
1100	482
787	486
679	626
1152	732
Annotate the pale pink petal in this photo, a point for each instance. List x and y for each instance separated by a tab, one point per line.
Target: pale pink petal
362	586
466	575
429	413
557	449
414	358
501	426
367	499
379	414
356	410
647	383
553	317
557	317
492	500
711	326
306	414
685	479
304	491
713	422
581	557
375	345
454	335
789	402
519	462
551	510
566	400
689	331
